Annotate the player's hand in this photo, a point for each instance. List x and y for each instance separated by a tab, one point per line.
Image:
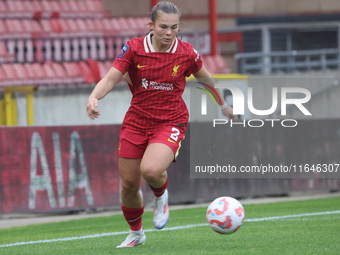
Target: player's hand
228	112
92	104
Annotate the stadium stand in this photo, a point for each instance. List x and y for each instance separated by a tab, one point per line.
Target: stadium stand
43	42
35	73
5	56
52	9
2	78
10	74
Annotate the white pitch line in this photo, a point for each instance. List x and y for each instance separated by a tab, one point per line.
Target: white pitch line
165	229
292	216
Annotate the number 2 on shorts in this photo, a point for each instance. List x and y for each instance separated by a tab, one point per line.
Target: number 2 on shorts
175	133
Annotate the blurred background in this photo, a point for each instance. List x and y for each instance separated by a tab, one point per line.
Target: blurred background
54	158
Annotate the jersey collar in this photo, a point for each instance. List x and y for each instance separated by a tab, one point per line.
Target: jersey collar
149	48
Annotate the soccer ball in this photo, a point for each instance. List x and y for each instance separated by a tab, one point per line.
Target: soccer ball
225	215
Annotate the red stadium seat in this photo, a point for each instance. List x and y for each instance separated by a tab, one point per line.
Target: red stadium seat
115	25
91	26
123	23
78	8
102	69
209	64
47	35
57	44
3	28
66	41
80	5
82	27
221	64
33	9
73	71
16	9
37	8
84	35
51	8
107	27
37	73
17	36
94	67
29	7
60	33
108	64
11	77
32	75
22	75
60	73
86	72
215	64
124	26
46	28
3	78
137	25
3	10
65	10
70	40
33	27
56	27
68	27
94	6
5	56
75	41
72	7
15	28
50	75
100	42
96	44
143	23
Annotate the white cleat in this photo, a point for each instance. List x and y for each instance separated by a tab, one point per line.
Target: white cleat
133	239
161	211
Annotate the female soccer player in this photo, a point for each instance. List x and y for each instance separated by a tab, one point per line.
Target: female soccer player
155	67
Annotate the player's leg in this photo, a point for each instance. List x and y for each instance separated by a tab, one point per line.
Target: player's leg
132	204
155	161
131	148
129	170
162	149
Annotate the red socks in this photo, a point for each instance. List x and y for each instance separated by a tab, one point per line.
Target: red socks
133	216
159	191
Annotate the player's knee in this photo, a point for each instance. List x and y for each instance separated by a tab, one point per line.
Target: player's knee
129	188
151	173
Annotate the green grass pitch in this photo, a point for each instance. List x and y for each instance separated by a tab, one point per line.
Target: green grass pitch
272	228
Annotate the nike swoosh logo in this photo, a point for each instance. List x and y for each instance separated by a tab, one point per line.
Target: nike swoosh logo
139	66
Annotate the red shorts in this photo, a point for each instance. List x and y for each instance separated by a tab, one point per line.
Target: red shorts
132	143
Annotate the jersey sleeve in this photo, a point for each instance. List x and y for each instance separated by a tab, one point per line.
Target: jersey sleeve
196	62
124	58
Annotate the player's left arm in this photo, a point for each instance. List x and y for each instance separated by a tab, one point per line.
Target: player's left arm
205	78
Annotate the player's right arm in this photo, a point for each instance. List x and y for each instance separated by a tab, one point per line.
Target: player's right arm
103	87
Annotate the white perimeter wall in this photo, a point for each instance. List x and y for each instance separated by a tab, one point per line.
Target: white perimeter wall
67	106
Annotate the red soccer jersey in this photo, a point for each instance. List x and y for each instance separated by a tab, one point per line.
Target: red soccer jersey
157	81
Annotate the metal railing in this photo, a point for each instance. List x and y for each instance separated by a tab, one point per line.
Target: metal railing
267	61
289	61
